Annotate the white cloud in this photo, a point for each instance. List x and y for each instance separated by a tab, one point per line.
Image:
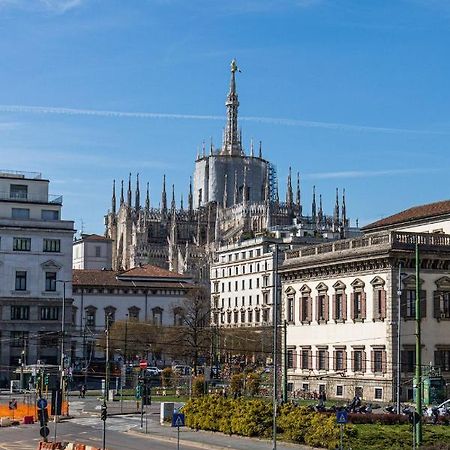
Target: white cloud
25	109
54	6
369	173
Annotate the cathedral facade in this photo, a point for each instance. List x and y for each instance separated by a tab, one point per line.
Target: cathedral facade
233	196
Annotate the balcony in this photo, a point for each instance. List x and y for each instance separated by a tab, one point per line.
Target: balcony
29	198
389	240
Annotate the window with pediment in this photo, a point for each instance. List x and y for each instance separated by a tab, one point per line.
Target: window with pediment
441	299
339	302
357	301
379	298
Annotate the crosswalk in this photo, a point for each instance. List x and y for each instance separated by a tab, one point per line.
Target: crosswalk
113	423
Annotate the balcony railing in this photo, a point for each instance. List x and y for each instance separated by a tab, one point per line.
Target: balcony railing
20	174
28	198
394	239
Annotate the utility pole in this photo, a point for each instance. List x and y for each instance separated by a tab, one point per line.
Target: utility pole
418	380
275	350
285	363
106	396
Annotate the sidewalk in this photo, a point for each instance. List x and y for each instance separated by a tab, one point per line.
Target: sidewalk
211	440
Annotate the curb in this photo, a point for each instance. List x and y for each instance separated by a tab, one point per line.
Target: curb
194	444
199	444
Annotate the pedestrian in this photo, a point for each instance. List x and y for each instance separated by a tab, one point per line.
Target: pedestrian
83	391
80	388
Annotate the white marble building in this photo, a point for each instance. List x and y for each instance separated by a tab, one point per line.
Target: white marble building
35	254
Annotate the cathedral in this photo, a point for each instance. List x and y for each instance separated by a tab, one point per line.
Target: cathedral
233	195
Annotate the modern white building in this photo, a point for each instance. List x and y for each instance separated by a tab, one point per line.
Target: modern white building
92	251
35	256
340	303
145	293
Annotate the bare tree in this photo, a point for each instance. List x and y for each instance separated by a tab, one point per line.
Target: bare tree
192	336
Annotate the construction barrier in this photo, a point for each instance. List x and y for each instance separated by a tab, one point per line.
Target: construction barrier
50	446
25	409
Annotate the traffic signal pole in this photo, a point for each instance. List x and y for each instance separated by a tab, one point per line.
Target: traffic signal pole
418	424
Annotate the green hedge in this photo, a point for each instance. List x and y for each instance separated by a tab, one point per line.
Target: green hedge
253	417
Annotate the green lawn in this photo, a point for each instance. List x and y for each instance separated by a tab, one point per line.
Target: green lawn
396	437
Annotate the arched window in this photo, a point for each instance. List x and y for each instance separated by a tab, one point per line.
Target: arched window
157	315
133	313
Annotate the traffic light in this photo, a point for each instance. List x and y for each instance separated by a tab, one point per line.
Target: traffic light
138	391
104	413
46	377
43	417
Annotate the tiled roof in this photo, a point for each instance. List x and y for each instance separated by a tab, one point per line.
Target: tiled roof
147	270
412	214
94	237
144	276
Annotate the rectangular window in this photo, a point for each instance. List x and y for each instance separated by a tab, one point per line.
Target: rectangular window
265	315
339	310
19	339
21	280
290	309
250	316
49	214
304	306
20	213
242	316
378	361
20	312
339	361
411	303
357	309
90	317
257	282
358	361
339	391
257	316
236	316
18	191
250	300
21	244
321	363
305	359
378	393
321	306
257	299
250	283
290	359
243	284
98	251
52	245
50	313
229	286
50	281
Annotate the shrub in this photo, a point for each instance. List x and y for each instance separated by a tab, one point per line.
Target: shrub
384	419
198	386
167	377
253	383
237	384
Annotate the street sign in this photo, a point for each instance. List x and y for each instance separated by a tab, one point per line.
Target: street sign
143	364
13	404
178	419
42	403
44	432
342	417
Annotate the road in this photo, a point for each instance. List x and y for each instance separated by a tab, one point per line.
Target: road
88	432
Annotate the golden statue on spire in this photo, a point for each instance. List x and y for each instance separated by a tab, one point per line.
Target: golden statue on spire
234	66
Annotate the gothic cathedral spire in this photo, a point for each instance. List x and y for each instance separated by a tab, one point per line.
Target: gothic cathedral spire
232	144
164	197
121	193
313	207
137	202
147	198
113	199
129	191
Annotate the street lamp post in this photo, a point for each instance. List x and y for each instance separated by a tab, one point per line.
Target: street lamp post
399	322
275	350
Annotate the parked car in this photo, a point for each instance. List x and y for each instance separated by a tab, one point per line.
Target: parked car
153	371
182	370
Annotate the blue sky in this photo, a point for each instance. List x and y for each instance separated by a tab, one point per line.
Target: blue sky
352	94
